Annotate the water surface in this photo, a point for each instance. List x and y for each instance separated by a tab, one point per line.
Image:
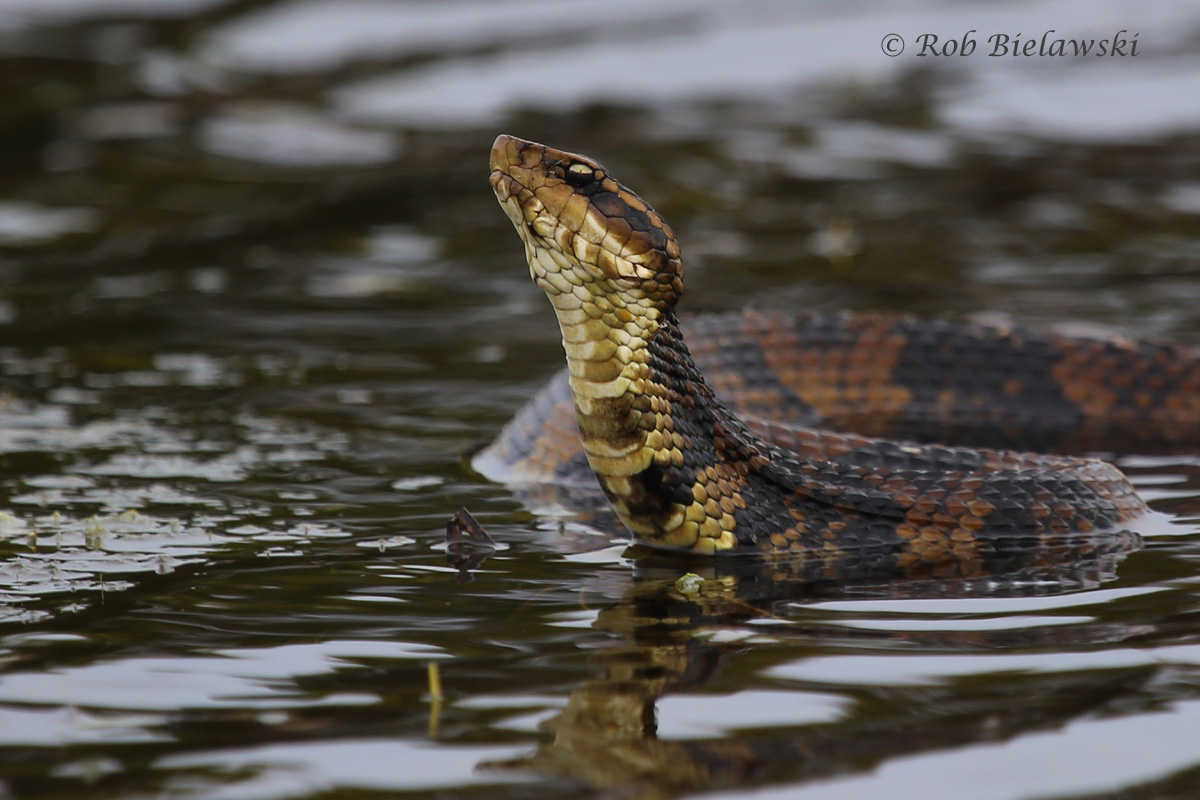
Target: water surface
258	308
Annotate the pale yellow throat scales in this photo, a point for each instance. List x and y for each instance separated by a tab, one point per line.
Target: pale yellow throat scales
623	422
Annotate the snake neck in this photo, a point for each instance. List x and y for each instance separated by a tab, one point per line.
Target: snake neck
668	454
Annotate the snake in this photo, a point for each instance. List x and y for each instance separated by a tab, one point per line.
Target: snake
754	453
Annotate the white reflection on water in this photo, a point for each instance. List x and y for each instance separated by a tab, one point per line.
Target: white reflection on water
318	35
974	606
56	726
701	716
909	669
290	136
859	150
24	224
763	49
1090	755
18	14
1108	102
236	678
300	770
1016	622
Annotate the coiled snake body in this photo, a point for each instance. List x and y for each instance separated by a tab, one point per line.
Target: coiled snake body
683	471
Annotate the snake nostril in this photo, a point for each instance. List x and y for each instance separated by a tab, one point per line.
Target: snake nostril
503	151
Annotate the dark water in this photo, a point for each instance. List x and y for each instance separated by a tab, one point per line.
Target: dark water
258	307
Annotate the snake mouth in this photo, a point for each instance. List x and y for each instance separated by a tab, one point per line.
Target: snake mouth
507	188
501	184
506	151
501	158
510	192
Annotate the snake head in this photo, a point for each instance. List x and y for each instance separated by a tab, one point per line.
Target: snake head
584	233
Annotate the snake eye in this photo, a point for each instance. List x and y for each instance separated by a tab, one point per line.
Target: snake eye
580	174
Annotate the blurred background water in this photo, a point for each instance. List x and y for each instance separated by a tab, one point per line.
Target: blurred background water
258	306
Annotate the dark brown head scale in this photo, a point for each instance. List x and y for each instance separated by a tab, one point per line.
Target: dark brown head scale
574	217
